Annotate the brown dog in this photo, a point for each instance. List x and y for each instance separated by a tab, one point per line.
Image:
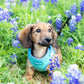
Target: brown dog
38	37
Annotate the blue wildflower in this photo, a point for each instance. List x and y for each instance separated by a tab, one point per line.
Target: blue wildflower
69	41
46	1
57	78
54	1
23	0
79	46
54	63
50	21
13	59
17	38
61	34
68	13
74	74
4	15
58	23
82	6
35	4
73	9
14	29
78	17
8	3
16	43
14	22
72	24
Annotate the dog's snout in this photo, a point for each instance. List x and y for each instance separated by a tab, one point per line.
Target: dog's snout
48	39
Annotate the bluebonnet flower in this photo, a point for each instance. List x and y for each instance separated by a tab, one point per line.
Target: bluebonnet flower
54	1
4	15
61	34
82	6
72	24
16	43
17	38
14	22
74	74
54	63
23	0
14	29
50	21
58	23
13	59
8	3
57	78
36	4
79	46
46	0
69	41
68	13
73	9
78	17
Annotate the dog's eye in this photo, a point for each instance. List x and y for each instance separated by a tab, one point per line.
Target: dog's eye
38	30
49	30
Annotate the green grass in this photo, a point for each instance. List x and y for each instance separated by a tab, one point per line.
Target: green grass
14	73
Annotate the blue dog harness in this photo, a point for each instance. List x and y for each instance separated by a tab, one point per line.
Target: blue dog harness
41	64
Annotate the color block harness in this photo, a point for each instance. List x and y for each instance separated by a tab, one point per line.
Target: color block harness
41	64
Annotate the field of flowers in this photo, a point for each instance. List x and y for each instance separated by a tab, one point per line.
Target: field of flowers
67	17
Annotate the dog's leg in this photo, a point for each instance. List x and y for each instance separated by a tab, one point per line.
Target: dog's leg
29	71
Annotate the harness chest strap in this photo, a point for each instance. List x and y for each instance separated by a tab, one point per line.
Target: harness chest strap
40	64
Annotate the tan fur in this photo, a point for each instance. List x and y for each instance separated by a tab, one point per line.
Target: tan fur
29	37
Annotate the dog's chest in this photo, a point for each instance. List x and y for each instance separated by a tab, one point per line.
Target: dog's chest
41	64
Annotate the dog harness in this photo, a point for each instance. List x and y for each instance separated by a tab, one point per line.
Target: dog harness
41	64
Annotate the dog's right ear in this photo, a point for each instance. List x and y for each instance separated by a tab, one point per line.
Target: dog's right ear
25	36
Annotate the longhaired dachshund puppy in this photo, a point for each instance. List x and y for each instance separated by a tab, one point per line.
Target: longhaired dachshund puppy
40	38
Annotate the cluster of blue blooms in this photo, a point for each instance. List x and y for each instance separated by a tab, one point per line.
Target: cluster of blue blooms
13	59
52	1
74	75
36	3
54	63
57	78
75	17
69	41
9	3
4	14
82	7
59	23
79	46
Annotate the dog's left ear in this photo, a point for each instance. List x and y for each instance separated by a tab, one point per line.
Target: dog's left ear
54	35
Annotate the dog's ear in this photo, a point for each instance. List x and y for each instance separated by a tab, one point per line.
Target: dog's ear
54	35
25	36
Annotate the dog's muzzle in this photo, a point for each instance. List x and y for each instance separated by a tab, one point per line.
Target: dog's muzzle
46	42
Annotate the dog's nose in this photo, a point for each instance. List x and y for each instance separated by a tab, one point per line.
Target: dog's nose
48	39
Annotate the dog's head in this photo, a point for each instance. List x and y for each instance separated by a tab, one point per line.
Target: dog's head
40	33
